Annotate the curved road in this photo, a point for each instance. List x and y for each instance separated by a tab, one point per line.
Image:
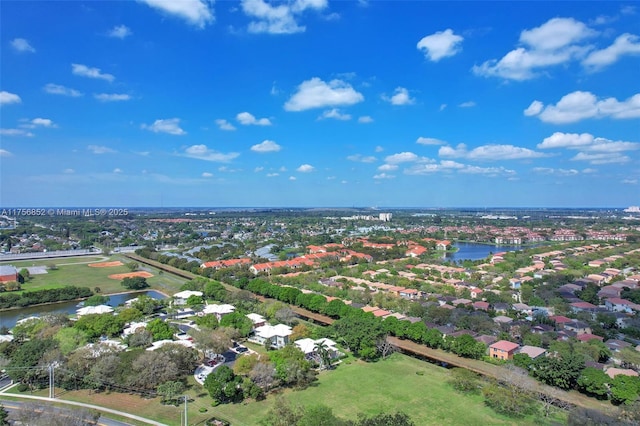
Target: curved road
103	420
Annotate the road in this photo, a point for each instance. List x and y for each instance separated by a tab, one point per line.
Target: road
44	400
15	406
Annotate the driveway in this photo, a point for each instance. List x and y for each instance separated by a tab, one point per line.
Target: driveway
204	370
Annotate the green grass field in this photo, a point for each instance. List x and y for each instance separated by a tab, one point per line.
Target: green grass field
74	271
385	386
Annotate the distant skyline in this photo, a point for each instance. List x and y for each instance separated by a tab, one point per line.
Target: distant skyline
311	103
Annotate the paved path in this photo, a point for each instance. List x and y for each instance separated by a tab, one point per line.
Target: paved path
14	406
81	404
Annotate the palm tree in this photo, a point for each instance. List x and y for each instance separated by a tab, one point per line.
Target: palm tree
322	349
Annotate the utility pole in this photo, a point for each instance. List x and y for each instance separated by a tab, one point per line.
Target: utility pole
186	421
52	382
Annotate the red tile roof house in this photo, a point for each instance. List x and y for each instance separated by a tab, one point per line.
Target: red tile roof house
585	337
503	350
533	351
560	321
8	274
616	304
583	307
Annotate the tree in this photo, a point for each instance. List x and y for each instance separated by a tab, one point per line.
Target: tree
96	299
209	321
170	390
4	415
160	330
263	374
322	350
561	371
466	346
629	357
465	381
593	382
69	339
223	385
140	339
132	266
283	413
319	415
625	389
245	364
135	283
361	334
215	342
238	321
385	419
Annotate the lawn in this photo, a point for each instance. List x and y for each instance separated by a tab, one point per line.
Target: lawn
74	271
418	388
390	385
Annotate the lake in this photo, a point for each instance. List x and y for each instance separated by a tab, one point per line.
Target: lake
474	251
10	318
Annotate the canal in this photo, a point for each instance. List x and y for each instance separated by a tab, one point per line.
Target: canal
11	317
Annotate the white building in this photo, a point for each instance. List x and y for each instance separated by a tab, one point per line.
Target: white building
309	347
385	217
279	335
181	297
218	310
257	320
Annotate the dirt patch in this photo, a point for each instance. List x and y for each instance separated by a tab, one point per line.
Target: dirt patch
105	264
142	274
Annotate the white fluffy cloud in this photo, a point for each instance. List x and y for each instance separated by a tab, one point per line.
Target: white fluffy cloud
579	105
586	142
315	93
169	125
365	119
388	167
247	119
207	175
120	31
440	45
595	150
266	146
626	44
111	97
362	158
37	122
335	114
202	152
56	89
98	149
555	42
196	12
448	166
225	125
429	141
305	168
280	19
468	104
401	157
15	132
5	153
400	97
85	71
7	98
602	158
557	172
489	152
383	176
22	45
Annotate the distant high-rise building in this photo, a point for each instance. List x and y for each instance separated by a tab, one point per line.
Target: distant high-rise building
385	217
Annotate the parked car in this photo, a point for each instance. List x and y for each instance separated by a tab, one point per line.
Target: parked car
241	349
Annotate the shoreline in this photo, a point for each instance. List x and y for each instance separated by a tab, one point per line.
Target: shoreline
14	308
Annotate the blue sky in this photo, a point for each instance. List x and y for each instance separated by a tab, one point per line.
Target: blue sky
319	103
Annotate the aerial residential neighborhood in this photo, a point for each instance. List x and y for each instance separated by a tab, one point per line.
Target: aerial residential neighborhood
214	312
319	212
